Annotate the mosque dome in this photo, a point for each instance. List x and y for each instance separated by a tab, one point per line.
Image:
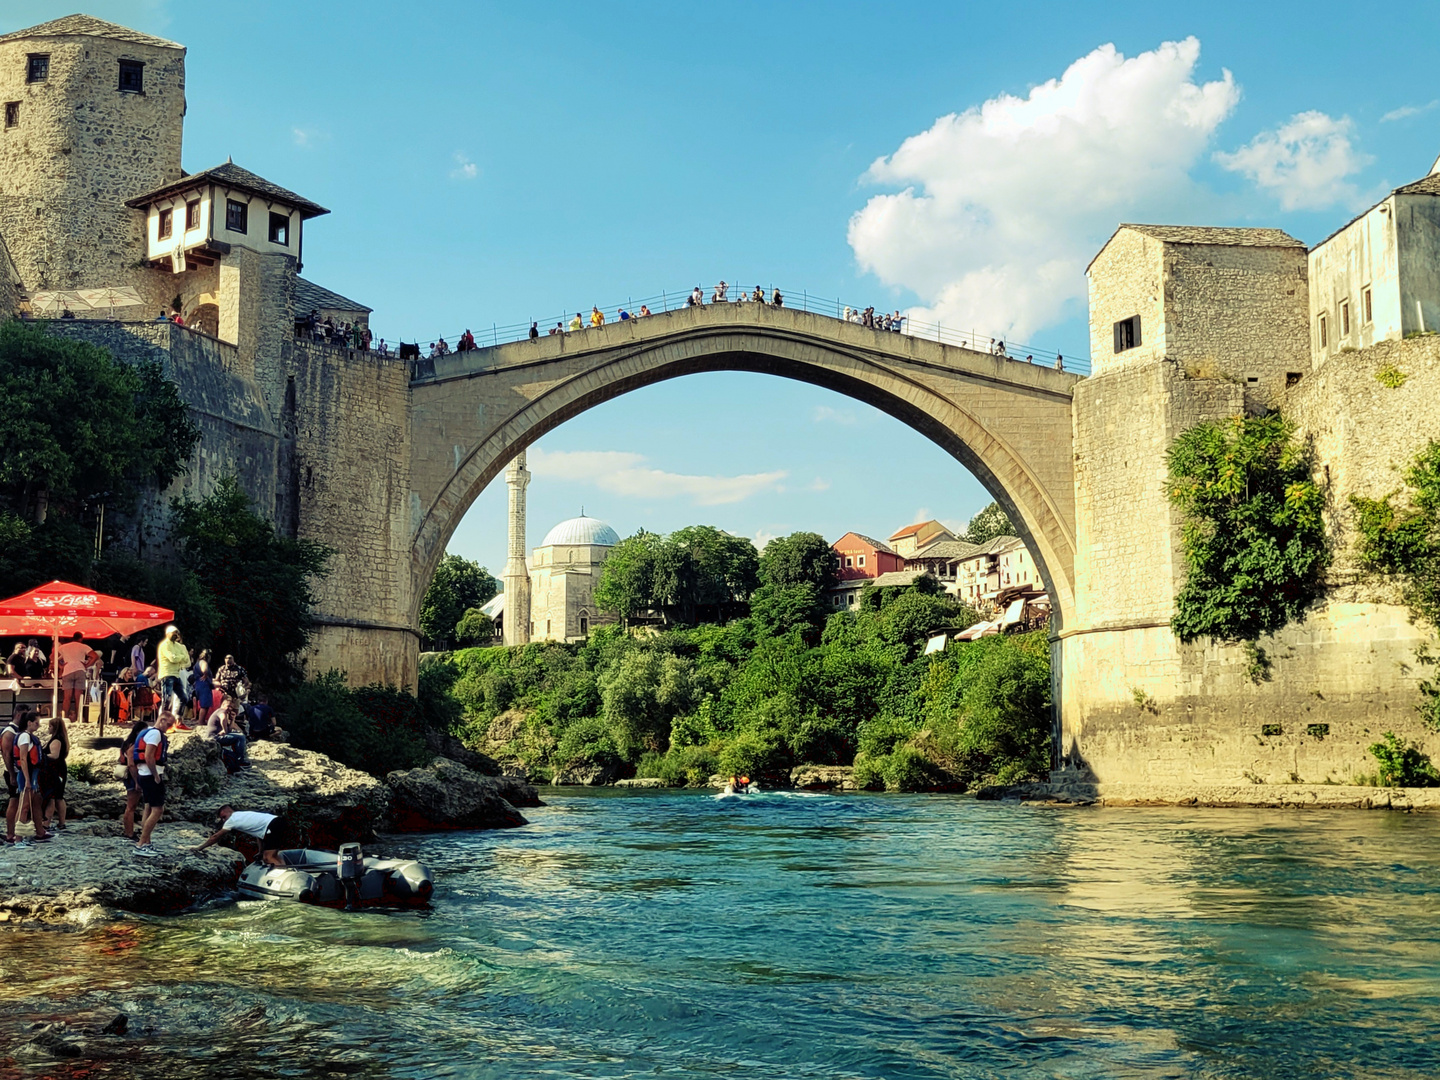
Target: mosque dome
582	530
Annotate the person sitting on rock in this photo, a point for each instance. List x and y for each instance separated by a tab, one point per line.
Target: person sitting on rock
267	829
223	727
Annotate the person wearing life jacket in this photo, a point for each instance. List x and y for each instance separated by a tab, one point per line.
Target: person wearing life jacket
8	734
125	770
27	775
149	754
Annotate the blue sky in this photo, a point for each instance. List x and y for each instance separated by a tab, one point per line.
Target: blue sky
495	162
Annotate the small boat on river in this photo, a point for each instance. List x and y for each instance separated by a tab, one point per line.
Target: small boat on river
346	879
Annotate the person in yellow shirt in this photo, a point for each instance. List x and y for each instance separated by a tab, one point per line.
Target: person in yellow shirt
576	324
597	317
173	659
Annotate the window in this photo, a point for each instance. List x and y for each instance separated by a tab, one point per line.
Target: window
37	67
279	228
132	77
237	216
167	224
12	114
849	560
584	625
1324	333
1345	318
1367	308
860	560
1127	333
192	214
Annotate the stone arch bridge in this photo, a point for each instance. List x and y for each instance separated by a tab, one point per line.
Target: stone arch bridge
396	470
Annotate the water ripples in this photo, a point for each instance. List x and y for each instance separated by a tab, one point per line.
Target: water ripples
839	938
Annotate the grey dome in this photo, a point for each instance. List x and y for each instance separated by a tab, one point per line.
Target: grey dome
582	530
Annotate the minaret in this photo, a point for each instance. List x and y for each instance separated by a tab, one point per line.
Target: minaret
517	577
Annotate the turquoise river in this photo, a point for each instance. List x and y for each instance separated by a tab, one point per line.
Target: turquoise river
683	935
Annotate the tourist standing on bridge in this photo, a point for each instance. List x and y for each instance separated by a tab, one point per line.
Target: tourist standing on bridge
597	317
534	331
1059	362
720	290
777	300
576	323
758	296
696	297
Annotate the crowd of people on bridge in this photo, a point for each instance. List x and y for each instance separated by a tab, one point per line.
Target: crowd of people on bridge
723	293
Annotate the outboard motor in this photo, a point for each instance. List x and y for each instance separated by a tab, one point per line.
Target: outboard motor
350	868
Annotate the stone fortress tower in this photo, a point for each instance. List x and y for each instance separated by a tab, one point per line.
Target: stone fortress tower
517	576
93	115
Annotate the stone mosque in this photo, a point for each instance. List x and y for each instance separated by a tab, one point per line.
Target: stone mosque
552	597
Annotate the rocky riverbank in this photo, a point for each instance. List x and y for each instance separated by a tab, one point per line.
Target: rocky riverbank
90	868
1271	796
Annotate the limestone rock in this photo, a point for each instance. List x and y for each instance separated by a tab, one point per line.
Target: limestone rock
824	777
447	795
446	745
589	774
90	865
642	782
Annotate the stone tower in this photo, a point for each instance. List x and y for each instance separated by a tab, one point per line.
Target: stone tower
517	577
93	116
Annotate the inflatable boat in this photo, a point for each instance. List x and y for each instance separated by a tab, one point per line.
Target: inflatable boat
346	878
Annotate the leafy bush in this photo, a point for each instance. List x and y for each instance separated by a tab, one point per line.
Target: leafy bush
681	766
587	742
377	729
1402	764
1253	536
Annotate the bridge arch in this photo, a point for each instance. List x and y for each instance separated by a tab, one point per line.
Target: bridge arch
1008	422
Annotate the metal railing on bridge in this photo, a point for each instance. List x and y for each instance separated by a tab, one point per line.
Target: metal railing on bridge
503	334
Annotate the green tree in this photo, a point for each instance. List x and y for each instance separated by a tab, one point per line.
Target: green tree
724	571
261	584
1253	536
642	694
802	558
627	584
474	628
457	586
79	427
989	523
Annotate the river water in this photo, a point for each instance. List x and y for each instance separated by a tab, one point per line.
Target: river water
682	935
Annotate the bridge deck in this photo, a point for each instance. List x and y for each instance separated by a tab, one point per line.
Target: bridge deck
663	328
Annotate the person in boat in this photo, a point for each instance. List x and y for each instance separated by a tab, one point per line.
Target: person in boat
266	829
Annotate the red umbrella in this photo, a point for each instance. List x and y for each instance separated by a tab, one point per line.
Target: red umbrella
60	606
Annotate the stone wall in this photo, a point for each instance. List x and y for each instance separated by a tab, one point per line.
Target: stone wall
352	476
1126	279
80	150
1238	312
237	435
9	284
1140	707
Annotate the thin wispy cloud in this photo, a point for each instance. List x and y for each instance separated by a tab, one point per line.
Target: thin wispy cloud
1001	206
465	169
1407	111
305	138
623	473
824	414
1306	162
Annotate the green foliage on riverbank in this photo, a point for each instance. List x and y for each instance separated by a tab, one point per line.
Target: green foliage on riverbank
80	431
1399	535
760	694
1253	537
374	728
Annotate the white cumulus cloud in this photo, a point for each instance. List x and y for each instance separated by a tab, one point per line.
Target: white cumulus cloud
1305	162
623	473
1003	205
823	413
